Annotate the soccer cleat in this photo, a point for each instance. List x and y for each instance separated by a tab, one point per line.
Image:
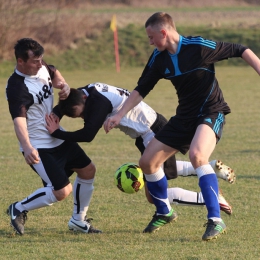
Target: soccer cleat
224	205
223	171
214	229
83	226
18	218
159	221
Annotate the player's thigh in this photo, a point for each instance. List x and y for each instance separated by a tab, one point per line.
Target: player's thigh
202	145
51	169
77	160
155	154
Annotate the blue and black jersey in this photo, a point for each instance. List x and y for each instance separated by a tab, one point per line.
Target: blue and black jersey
192	72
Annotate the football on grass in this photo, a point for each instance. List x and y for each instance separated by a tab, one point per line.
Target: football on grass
129	178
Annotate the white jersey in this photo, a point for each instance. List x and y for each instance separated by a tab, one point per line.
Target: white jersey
137	121
32	97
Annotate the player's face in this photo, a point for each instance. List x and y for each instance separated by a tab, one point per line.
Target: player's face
156	37
31	66
79	111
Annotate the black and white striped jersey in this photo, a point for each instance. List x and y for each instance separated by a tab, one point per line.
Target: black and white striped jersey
32	97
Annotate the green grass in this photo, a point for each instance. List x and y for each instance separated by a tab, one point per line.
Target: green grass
122	217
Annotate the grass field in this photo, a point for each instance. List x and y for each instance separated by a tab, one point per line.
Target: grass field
122	217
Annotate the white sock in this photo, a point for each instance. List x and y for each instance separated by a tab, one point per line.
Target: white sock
185	168
216	219
40	198
185	197
82	192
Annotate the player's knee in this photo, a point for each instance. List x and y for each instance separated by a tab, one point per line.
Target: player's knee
63	193
87	172
148	166
144	165
197	159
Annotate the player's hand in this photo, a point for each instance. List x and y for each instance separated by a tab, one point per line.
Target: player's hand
111	122
65	90
31	155
52	122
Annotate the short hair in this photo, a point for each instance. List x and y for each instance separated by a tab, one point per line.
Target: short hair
160	18
75	98
24	45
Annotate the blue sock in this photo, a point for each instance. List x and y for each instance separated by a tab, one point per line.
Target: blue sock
209	187
158	191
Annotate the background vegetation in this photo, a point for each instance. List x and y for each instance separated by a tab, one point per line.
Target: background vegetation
76	33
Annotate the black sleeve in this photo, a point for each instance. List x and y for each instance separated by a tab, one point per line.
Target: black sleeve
223	50
150	76
97	107
18	96
57	112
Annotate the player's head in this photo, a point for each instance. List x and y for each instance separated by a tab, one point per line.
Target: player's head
160	19
28	54
74	104
158	27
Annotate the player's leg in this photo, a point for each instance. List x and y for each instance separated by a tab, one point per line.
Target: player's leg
202	145
57	187
152	159
185	168
179	196
82	189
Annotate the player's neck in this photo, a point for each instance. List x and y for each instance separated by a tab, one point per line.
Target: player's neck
173	43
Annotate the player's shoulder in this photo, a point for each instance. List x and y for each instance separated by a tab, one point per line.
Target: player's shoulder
15	83
155	56
197	41
15	79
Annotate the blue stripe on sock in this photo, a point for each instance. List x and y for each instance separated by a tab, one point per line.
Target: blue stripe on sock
209	187
158	190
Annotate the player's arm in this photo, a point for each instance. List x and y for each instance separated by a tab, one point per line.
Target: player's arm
134	99
98	108
30	153
250	57
58	81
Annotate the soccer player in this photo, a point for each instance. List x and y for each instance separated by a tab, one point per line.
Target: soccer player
29	93
188	62
97	101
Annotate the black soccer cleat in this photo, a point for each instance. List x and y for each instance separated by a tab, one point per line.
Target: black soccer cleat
214	229
18	218
159	221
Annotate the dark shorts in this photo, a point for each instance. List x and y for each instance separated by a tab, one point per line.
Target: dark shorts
57	163
170	168
178	133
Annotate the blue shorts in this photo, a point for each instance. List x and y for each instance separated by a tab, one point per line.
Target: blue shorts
178	133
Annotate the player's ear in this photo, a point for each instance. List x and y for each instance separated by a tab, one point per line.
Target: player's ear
20	61
163	32
85	97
